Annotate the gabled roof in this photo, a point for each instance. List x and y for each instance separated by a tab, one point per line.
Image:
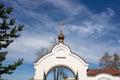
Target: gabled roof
92	72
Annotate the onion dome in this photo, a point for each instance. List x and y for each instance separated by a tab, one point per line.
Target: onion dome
61	36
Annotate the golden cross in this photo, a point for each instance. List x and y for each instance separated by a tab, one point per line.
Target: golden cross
61	25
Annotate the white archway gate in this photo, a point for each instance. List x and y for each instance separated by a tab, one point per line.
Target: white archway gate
61	55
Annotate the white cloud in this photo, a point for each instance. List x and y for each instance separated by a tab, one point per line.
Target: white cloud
103	17
67	7
89	50
118	41
96	24
27	46
85	30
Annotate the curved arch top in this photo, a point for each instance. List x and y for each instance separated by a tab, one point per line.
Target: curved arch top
61	47
61	51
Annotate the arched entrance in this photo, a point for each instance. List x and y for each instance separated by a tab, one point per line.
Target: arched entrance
61	55
60	73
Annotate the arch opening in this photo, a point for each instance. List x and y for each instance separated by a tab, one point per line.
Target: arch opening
60	73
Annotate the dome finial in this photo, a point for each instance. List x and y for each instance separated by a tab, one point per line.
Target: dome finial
61	25
61	36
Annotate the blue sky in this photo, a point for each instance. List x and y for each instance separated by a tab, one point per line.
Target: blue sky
91	28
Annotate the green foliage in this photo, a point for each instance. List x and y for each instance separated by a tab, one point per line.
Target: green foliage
108	61
8	32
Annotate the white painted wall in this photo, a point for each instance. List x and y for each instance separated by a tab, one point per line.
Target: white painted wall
60	56
104	76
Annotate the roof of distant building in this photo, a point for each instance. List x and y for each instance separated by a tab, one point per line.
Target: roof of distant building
99	71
